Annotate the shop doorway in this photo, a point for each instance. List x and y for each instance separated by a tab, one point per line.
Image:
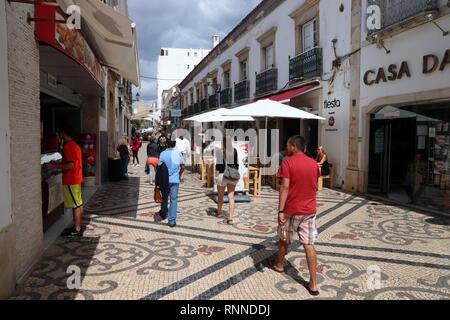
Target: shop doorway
392	155
312	137
409	158
54	113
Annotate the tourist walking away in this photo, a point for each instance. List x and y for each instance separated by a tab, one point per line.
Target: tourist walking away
72	178
135	146
298	208
184	146
173	160
322	161
227	176
162	142
124	156
152	159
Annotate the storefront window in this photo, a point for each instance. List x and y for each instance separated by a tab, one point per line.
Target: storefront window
409	154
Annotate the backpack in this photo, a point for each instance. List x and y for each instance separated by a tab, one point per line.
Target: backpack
163	142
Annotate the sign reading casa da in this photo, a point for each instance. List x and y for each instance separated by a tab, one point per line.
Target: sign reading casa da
431	63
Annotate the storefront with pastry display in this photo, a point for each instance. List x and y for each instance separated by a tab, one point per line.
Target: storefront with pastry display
71	94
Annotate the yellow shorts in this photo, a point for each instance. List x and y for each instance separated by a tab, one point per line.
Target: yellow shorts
72	196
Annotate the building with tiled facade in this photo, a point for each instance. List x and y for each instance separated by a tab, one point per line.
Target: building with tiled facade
50	76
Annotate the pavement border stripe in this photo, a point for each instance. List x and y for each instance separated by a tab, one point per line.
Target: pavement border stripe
387	250
227	283
342	216
322	214
175	233
203	273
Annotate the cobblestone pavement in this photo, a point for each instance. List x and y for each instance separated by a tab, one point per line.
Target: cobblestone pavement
126	254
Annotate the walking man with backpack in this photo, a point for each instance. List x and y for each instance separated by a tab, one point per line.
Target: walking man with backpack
173	160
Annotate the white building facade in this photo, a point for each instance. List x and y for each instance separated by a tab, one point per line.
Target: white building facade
296	52
174	64
404	131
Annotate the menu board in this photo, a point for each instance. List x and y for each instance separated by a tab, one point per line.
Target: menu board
89	149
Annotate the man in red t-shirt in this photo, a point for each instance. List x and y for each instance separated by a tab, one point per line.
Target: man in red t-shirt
298	208
72	170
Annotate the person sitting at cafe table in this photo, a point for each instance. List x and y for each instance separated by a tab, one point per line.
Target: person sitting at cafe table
322	161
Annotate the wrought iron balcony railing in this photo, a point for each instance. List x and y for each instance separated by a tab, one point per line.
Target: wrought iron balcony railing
306	65
204	105
266	82
213	101
242	90
394	12
196	107
226	96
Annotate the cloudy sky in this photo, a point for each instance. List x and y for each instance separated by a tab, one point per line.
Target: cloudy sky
180	24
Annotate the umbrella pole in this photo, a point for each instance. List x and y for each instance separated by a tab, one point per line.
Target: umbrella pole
267	142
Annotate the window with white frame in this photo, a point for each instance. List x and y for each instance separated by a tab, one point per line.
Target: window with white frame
205	90
268	57
309	35
243	65
226	79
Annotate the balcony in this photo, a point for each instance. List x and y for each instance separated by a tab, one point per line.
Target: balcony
204	105
396	12
213	102
190	110
196	108
226	97
242	90
306	65
266	82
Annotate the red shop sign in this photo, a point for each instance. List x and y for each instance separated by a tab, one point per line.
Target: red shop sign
70	42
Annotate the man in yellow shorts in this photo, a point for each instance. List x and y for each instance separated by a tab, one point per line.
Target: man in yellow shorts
72	169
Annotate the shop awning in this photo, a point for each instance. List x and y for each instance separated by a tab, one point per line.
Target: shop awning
112	36
290	94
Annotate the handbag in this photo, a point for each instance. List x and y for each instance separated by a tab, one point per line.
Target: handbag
231	173
158	195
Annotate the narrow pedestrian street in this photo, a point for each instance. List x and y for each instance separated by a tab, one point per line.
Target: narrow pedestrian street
127	255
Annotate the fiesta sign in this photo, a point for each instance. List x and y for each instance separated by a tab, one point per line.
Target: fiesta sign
431	63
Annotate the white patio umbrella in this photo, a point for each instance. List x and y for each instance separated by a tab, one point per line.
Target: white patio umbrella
219	115
271	109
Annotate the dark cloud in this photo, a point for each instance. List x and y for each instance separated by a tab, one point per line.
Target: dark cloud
180	24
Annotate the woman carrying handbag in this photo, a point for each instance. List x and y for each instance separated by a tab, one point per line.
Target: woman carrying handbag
227	177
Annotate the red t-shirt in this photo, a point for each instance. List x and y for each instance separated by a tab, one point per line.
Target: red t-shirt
72	153
303	174
135	144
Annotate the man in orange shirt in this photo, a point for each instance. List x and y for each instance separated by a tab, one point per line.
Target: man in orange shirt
72	169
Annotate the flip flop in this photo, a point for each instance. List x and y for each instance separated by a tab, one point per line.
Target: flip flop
311	292
271	265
